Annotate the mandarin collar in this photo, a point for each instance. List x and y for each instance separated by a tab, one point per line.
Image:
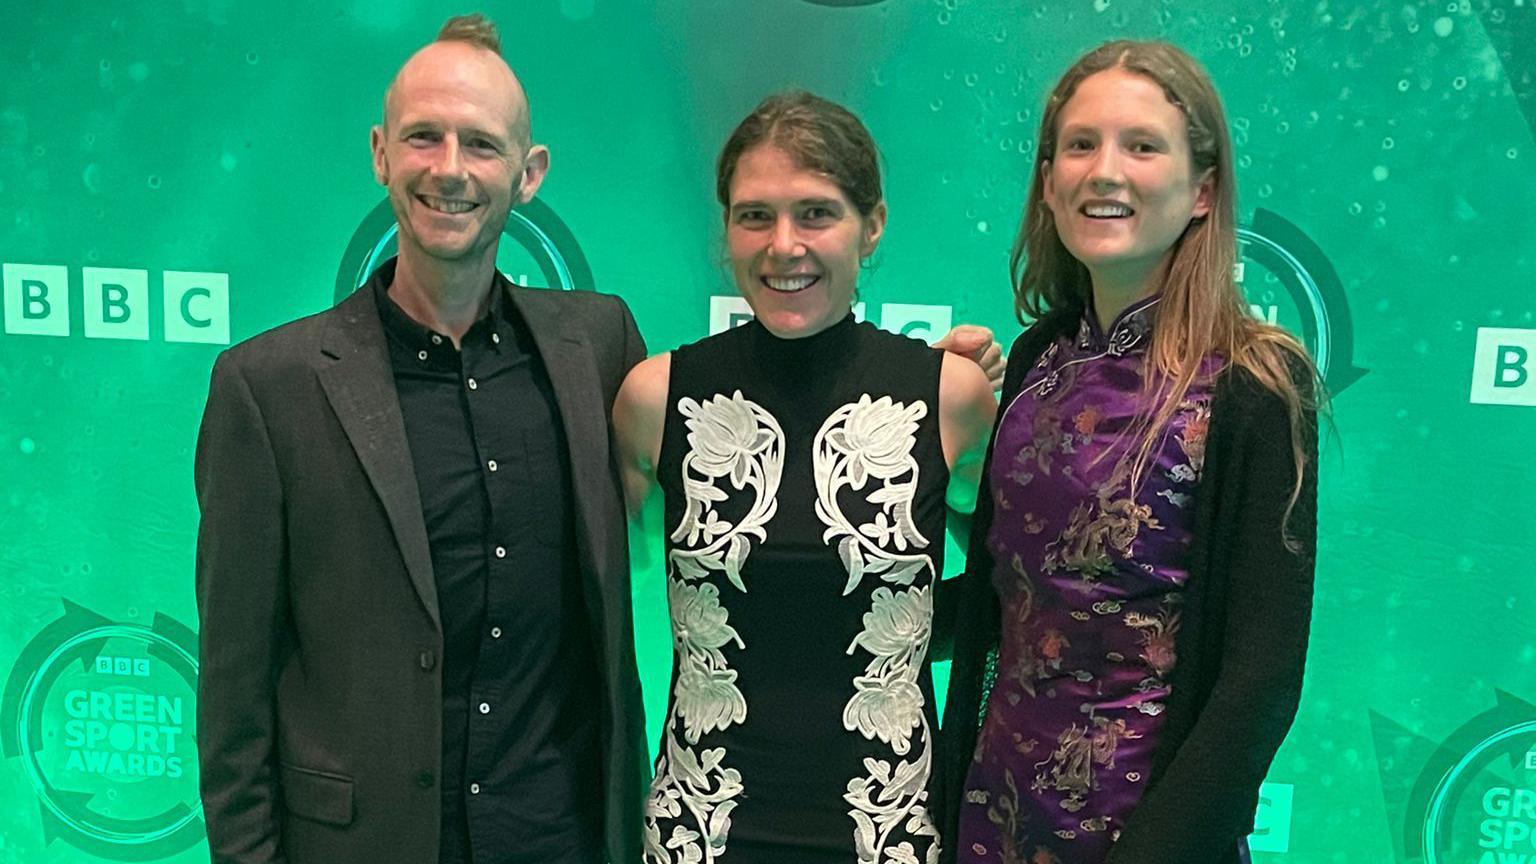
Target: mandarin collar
1130	330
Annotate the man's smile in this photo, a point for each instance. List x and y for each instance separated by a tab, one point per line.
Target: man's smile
450	206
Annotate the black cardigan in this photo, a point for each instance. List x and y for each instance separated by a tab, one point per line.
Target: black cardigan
1241	647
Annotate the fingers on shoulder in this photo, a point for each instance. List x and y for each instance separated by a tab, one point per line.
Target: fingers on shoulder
963	381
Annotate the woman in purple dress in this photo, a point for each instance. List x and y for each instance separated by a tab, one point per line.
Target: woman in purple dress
1132	626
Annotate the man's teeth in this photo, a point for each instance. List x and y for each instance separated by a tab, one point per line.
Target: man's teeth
1106	210
447	205
789	283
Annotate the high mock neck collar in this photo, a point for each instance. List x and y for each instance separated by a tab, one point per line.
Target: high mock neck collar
828	345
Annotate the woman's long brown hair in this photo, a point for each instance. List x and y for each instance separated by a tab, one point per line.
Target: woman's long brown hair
1202	312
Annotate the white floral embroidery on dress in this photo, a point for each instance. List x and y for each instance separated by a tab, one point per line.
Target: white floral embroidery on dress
728	437
873	439
698	783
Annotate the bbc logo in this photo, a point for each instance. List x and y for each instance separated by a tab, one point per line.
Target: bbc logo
1504	367
1272	821
115	303
134	667
927	323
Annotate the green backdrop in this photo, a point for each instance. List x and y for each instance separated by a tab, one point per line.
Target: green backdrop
178	176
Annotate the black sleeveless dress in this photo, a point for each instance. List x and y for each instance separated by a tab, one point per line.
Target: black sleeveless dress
804	483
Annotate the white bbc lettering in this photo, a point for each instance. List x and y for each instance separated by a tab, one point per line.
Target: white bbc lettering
115	303
927	323
36	299
134	667
197	307
1504	367
1272	822
727	312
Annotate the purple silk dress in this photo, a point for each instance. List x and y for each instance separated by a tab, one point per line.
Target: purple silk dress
1090	580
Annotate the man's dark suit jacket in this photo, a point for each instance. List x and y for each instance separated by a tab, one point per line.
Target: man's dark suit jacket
320	699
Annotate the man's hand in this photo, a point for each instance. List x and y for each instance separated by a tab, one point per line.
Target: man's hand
975	343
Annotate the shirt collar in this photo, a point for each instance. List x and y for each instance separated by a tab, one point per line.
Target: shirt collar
429	346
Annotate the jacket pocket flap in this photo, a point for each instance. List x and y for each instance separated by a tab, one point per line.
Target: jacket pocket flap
317	795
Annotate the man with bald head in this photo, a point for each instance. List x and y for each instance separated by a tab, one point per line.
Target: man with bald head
412	569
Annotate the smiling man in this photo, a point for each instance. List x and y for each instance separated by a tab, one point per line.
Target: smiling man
412	572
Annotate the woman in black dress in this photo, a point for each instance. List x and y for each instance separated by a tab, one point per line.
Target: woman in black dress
805	459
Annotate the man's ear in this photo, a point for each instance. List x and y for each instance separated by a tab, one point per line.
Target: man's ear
380	161
535	166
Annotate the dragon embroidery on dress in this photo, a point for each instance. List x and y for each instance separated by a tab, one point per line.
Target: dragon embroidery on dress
1196	416
863	441
1100	531
1070	767
728	438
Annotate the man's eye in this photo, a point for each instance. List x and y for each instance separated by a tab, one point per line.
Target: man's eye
748	217
1076	145
482	144
422	138
818	214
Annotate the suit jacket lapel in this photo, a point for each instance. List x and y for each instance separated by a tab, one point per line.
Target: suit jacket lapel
360	385
572	371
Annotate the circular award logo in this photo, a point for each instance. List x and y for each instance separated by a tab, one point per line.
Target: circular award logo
1472	799
101	715
1483	809
1290	282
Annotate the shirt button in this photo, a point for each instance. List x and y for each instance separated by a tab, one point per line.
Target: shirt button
427	660
496	337
424	779
485	707
501	551
495	632
436	339
421	355
474	788
473	385
491	464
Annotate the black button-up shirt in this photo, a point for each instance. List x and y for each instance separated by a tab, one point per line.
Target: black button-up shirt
521	779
